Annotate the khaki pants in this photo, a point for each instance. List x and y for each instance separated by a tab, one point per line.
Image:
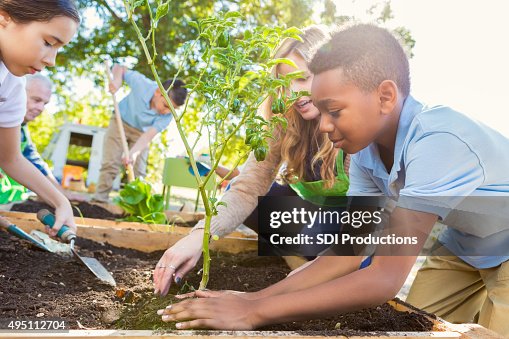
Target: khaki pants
460	293
112	158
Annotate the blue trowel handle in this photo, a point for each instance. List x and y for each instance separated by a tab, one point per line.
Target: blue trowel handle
48	219
18	232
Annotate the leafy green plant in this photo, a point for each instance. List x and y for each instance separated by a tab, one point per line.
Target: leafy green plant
137	200
233	77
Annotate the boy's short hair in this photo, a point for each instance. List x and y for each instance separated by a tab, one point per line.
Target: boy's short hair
367	54
178	92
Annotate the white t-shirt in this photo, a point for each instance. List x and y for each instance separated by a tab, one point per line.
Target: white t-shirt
13	98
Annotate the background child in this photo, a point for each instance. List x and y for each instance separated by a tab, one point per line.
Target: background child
144	113
31	32
415	155
313	167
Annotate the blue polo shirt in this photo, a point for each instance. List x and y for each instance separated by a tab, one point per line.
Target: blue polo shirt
450	165
135	107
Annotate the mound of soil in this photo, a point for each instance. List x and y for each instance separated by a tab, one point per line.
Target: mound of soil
35	283
81	209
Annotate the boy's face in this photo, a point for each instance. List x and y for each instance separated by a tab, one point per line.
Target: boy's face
350	116
160	105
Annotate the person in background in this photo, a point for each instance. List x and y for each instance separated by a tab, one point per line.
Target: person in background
38	90
145	113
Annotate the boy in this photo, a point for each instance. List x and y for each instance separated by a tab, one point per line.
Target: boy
427	160
144	113
38	90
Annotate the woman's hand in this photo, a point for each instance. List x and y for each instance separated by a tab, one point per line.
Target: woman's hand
177	261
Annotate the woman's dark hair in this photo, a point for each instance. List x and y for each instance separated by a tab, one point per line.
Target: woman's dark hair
25	11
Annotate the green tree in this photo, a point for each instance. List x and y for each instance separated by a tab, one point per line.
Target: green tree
106	34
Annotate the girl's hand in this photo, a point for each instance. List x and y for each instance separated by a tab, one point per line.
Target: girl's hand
63	216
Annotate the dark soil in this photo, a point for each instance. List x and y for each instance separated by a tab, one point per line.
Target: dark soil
35	283
81	209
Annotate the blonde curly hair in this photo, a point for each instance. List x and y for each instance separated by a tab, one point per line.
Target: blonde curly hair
302	137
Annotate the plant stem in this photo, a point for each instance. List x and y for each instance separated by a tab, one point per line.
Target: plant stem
206	253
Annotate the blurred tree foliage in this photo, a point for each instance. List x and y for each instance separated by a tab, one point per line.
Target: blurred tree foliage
106	34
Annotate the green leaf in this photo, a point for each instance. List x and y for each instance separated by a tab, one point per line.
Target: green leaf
246	79
194	24
293	32
137	3
162	10
278	61
232	14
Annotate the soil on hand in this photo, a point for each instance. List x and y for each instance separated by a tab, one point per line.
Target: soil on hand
81	209
34	284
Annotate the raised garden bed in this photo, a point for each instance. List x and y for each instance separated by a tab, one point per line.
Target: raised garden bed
104	211
34	282
81	209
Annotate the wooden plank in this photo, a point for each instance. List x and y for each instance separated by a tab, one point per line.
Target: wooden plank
22	216
139	239
474	331
119	334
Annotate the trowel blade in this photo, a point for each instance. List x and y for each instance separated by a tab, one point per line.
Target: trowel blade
97	268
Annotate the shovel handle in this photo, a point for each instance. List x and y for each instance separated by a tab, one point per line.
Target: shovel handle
120	125
4	223
48	219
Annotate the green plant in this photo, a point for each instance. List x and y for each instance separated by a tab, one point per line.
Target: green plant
233	77
140	204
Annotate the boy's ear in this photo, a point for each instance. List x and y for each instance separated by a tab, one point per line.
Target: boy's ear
388	93
157	92
5	18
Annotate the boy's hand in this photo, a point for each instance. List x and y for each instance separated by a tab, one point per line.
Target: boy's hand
215	294
129	159
298	269
229	312
114	86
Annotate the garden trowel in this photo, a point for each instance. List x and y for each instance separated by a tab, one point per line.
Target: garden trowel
68	236
18	232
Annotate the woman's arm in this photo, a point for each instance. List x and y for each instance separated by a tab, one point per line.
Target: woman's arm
242	198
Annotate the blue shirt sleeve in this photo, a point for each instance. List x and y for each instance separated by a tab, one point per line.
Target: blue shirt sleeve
441	170
137	82
162	122
31	154
361	182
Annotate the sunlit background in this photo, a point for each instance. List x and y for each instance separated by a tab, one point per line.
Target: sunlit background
460	58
